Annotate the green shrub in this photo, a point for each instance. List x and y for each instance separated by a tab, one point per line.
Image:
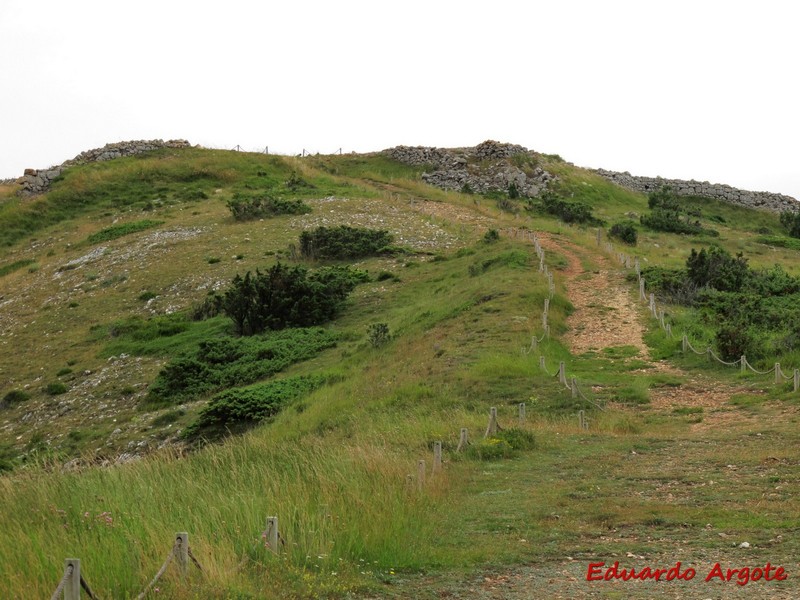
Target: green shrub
518	439
343	242
288	297
667	215
625	232
378	334
117	231
226	362
791	220
14	397
64	371
244	208
491	236
569	212
235	410
55	388
733	339
491	448
716	268
145	296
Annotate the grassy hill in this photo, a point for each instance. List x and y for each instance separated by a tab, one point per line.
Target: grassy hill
104	281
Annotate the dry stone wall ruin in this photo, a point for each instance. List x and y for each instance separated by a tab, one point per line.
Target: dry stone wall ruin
484	168
703	189
37	181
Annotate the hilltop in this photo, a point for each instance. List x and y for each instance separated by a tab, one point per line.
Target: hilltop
441	282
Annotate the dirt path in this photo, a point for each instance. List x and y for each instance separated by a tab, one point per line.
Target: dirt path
607	313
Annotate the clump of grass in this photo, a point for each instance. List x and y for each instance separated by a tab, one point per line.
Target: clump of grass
15	266
118	231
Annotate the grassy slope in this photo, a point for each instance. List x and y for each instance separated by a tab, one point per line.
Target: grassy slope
334	467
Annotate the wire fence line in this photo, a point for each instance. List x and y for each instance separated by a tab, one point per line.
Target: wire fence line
686	346
73	581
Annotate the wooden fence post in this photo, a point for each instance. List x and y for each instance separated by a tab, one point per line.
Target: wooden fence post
546	304
541	363
522	413
777	373
72	589
581	420
684	343
669	330
420	474
574	387
491	429
598	236
796	379
437	457
743	362
182	552
272	534
641	290
562	375
463	440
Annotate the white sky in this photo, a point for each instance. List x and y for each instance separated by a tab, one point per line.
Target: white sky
697	89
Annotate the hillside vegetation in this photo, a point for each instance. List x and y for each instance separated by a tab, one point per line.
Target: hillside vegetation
195	340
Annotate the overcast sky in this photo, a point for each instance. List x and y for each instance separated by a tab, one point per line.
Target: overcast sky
699	89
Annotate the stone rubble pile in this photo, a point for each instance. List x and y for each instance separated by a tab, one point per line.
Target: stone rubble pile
484	168
37	181
762	200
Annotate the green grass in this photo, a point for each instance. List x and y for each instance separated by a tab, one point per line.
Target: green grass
15	266
336	460
118	231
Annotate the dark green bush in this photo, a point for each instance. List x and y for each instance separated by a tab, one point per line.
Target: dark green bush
378	334
245	208
491	236
569	212
14	397
716	268
226	362
288	297
791	220
343	242
625	232
733	339
55	388
238	409
667	215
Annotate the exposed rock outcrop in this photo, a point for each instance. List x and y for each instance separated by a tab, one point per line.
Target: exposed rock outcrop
37	181
704	189
484	168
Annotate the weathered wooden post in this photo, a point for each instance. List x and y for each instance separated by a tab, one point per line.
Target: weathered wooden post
598	236
534	342
491	428
420	474
574	387
546	305
641	290
463	440
743	362
684	344
581	420
562	375
541	363
796	379
521	413
777	373
637	266
547	331
72	588
661	318
182	552
669	330
437	457
272	536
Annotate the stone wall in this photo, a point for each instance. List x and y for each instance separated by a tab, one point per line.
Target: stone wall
37	181
717	191
484	168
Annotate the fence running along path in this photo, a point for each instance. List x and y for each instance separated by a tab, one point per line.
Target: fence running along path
72	581
660	315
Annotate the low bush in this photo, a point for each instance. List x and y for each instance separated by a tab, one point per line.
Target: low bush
625	232
569	212
227	362
791	220
343	242
235	410
14	397
245	208
118	231
288	297
56	388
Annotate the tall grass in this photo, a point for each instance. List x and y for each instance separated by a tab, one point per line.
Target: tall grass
337	505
